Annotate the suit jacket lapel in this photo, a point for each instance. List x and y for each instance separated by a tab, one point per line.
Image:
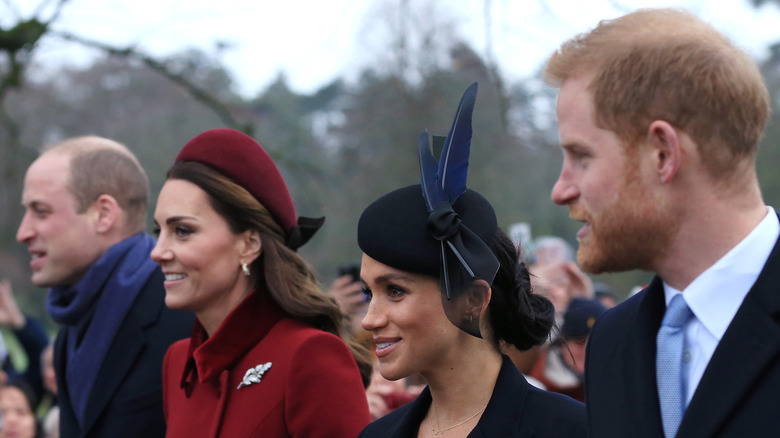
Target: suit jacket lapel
751	341
60	355
501	417
125	348
638	369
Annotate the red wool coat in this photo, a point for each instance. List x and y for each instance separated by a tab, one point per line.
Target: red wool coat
312	388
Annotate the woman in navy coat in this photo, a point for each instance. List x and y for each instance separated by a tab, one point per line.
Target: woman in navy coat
447	288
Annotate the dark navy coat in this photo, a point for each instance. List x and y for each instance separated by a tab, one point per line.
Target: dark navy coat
516	409
739	393
126	399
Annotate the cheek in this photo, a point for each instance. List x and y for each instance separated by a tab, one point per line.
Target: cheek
603	186
579	352
433	331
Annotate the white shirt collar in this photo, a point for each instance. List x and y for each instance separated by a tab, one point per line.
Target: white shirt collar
716	294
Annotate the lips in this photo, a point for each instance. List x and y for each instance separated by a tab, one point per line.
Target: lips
37	260
173	279
580	215
385	346
584	231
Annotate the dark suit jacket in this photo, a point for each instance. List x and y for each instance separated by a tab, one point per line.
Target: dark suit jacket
516	409
126	400
739	393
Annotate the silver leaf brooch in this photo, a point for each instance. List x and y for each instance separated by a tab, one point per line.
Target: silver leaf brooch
254	375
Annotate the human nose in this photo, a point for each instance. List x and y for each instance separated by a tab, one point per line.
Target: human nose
564	191
374	318
160	252
25	232
9	418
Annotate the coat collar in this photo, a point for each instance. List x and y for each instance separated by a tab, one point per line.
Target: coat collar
127	345
754	337
640	338
501	417
243	328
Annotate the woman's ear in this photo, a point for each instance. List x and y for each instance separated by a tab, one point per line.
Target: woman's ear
479	295
252	246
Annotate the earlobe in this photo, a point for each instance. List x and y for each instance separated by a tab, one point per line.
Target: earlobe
666	149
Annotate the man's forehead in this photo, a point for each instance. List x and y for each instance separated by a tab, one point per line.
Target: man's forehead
45	181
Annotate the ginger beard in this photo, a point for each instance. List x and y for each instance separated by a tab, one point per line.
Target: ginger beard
634	232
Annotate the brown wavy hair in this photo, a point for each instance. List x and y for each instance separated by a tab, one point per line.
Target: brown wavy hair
279	271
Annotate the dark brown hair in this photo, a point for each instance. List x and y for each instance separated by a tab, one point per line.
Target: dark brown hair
517	315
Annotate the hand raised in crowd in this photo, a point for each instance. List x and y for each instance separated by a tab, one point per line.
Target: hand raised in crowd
580	285
10	315
349	295
560	282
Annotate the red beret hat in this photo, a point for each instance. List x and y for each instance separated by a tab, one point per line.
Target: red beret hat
242	159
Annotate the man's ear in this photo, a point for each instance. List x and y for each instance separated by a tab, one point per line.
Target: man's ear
106	213
666	149
252	246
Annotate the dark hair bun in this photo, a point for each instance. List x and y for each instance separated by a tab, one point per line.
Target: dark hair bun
518	316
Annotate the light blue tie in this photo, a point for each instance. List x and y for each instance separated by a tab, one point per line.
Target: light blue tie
668	364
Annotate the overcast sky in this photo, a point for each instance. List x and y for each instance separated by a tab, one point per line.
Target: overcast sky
314	42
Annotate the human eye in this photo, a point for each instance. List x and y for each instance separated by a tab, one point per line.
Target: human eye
579	155
367	294
183	231
156	231
395	292
573	152
40	210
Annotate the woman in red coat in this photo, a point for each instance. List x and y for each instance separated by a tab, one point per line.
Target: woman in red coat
265	358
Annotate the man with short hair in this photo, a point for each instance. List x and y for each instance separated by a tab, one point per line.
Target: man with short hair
660	118
85	200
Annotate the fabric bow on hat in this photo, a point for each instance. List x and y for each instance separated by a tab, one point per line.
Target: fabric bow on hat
464	256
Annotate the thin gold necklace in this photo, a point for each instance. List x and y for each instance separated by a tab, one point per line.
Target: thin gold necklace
441	431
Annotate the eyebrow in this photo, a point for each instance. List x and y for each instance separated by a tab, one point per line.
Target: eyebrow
34	203
174	219
573	144
386	278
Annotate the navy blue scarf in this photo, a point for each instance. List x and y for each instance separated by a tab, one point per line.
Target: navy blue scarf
94	308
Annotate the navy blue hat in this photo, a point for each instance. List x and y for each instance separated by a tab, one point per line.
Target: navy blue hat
439	227
603	290
393	230
580	316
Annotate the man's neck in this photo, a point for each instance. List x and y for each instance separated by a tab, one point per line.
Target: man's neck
704	239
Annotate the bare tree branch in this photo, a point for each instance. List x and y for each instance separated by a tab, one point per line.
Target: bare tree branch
196	92
57	10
